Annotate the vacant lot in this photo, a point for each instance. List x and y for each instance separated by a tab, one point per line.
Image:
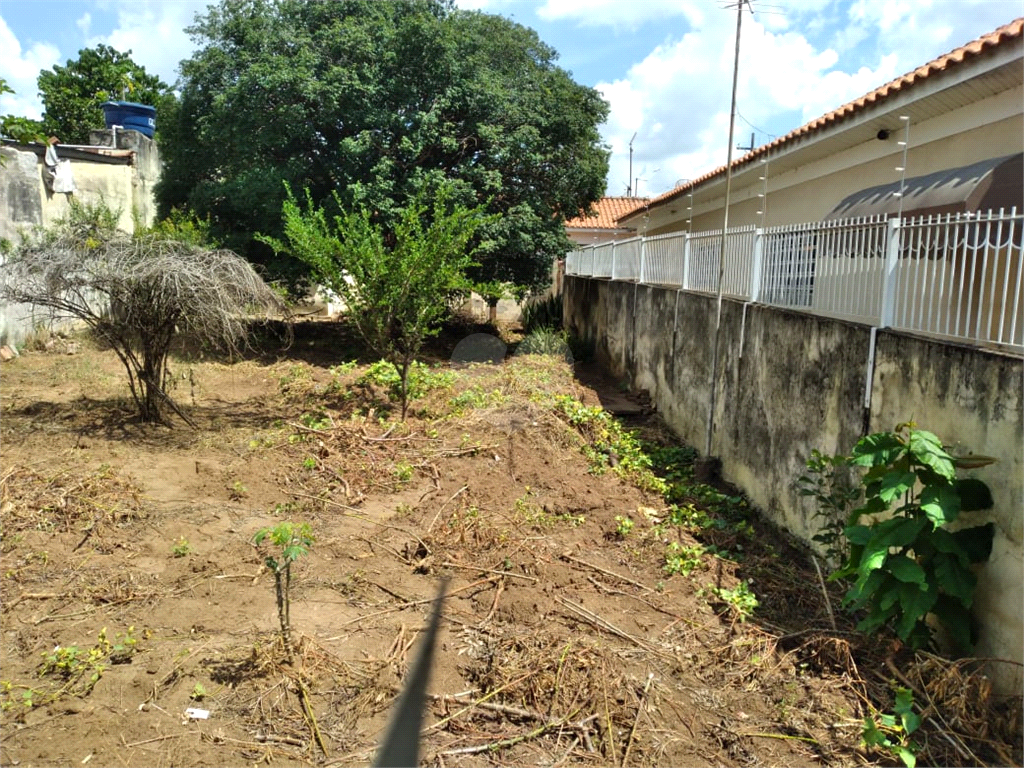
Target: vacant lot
598	614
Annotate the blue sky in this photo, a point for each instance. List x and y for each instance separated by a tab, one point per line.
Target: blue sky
665	66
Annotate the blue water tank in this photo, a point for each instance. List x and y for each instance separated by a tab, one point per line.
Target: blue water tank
129	115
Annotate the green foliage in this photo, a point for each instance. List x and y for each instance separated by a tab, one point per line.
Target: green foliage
903	563
184	227
609	443
382	101
182	548
198	692
740	600
20	129
681	559
72	94
422	379
542	313
290	542
77	669
623	526
891	732
546	341
396	292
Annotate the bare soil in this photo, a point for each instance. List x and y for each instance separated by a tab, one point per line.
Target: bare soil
131	589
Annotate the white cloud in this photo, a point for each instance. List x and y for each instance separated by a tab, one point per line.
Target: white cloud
821	56
154	32
615	14
20	68
677	98
84	23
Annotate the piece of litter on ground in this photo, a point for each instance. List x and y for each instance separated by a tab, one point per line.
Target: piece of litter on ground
197	714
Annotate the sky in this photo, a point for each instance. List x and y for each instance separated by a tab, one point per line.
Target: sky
664	66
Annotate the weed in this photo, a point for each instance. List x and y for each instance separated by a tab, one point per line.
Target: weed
198	692
403	471
237	491
828	483
541	517
309	463
422	379
741	601
891	733
182	548
623	526
546	341
319	421
680	559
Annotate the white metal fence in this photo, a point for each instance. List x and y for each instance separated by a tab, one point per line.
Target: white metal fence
957	275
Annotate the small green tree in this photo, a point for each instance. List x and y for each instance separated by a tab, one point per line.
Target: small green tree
396	292
906	564
292	541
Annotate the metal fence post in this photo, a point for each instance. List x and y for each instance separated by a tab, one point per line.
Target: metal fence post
642	258
686	262
755	272
613	260
892	256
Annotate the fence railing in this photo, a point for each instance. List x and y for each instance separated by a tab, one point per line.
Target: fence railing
956	275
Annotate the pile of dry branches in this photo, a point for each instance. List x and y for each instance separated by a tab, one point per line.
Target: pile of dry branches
136	294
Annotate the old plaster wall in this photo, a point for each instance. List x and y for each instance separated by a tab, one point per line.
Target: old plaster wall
122	177
791	382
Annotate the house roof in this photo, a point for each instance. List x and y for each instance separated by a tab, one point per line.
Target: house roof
607	211
948	62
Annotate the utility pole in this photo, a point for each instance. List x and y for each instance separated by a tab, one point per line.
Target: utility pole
725	226
630	190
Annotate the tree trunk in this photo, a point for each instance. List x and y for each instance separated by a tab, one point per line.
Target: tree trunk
405	386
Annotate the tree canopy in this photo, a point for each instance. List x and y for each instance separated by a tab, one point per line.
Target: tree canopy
381	102
72	94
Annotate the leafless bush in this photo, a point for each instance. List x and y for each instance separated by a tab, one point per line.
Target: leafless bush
137	294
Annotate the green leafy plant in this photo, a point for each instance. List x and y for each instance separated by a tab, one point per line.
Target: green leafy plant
182	548
741	601
291	541
891	732
903	562
421	379
543	313
198	692
546	341
623	526
681	559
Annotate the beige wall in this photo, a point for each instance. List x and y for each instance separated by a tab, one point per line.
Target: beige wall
990	128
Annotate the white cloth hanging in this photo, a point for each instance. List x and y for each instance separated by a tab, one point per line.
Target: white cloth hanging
63	178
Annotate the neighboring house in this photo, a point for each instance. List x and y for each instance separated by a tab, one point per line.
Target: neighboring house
601	226
964	108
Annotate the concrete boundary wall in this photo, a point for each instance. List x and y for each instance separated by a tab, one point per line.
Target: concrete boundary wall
790	382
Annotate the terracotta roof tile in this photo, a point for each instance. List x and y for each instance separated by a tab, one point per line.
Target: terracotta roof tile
607	210
1004	34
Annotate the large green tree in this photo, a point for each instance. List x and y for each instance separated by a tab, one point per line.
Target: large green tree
72	94
379	101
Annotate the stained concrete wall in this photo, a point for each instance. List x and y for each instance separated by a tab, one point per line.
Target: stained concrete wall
122	178
791	382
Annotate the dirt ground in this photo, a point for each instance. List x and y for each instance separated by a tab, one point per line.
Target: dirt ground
131	588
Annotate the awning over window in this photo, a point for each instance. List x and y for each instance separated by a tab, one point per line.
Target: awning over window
990	184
